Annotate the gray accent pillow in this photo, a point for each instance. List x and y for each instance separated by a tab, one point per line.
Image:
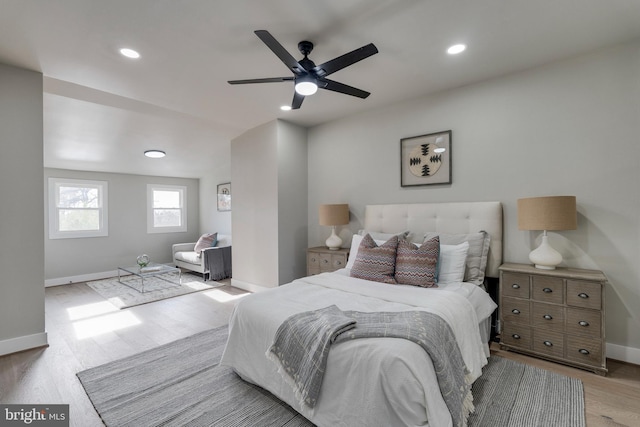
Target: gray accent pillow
477	255
376	263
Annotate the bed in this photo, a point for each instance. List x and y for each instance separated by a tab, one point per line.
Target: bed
377	381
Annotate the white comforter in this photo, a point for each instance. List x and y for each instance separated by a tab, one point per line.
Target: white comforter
368	382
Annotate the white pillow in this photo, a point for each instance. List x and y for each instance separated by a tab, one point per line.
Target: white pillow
452	262
355	244
476	256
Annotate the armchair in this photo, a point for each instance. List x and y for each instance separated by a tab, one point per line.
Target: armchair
213	263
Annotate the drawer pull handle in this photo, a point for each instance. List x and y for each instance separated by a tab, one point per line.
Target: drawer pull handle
516	336
547	316
583	323
584	351
547	290
548	343
515	311
583	295
515	286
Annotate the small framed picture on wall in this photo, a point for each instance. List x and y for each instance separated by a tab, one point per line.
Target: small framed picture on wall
224	197
426	159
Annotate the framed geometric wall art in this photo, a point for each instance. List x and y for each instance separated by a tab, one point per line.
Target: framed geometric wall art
426	159
224	197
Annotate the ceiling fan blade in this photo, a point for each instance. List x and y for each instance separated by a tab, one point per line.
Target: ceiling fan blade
342	88
280	51
345	60
297	100
267	80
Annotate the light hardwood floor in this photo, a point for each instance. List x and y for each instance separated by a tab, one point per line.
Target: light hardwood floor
85	331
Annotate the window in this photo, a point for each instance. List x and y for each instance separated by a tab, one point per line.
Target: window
166	208
77	208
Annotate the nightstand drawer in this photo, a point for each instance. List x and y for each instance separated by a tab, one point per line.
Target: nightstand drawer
584	322
548	315
516	310
325	263
517	336
338	262
313	261
549	343
584	294
515	285
548	289
584	350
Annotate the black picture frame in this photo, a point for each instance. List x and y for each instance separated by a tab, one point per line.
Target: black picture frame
426	159
224	197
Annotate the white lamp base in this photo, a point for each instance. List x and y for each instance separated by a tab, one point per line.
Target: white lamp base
544	256
334	242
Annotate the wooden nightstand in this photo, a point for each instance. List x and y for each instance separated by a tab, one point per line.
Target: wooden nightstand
321	260
554	314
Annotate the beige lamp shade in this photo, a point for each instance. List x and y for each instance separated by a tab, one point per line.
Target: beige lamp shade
547	213
334	214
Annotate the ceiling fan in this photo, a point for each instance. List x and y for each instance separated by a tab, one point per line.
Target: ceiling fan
308	76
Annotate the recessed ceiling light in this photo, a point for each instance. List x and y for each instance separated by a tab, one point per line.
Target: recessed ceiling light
130	53
456	48
286	108
155	154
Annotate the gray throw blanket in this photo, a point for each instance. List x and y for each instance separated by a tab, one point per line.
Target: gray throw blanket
428	330
301	347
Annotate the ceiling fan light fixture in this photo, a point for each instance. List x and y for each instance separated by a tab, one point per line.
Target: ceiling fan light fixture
306	85
306	88
155	154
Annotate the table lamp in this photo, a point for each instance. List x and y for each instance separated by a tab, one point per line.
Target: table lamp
333	215
547	213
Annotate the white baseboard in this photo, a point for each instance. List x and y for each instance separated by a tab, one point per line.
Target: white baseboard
625	354
247	286
26	342
81	278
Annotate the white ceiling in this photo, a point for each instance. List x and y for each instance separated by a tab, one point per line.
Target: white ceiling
101	110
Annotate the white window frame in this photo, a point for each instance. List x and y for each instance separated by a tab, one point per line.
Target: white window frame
54	209
151	228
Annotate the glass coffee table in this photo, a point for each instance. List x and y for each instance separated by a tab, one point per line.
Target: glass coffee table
151	270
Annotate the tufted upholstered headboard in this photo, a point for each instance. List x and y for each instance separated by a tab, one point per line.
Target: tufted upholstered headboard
450	218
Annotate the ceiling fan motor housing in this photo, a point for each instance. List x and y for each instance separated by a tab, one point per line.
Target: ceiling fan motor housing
305	47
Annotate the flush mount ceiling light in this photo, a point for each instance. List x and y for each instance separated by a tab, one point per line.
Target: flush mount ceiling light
456	49
286	108
129	53
155	154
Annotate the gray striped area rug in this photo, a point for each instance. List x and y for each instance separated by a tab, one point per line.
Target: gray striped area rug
511	394
181	384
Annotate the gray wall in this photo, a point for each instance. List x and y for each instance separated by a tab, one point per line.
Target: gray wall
211	220
22	323
254	207
269	205
69	259
292	201
570	127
